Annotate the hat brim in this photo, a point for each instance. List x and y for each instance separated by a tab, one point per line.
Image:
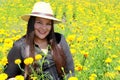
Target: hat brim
27	16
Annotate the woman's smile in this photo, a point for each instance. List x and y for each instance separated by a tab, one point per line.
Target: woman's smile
42	32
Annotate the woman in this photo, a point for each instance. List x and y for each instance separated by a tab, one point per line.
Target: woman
40	37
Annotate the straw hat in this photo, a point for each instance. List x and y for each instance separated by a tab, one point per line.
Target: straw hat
43	10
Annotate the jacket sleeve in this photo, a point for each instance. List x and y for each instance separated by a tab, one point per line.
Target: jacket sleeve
12	69
69	59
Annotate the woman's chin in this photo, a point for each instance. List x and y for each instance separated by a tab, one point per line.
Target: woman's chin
42	37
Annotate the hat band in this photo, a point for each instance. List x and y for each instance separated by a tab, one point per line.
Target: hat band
42	14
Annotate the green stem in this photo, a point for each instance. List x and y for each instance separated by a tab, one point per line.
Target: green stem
20	68
65	77
84	59
42	68
34	73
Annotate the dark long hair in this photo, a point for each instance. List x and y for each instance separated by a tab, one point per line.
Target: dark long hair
30	36
56	51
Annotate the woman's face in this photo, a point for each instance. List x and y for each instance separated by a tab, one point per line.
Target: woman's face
42	27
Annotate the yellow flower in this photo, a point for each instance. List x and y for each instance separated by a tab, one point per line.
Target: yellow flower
71	38
19	77
4	61
114	56
92	77
91	38
79	68
72	78
28	61
3	76
8	40
72	46
17	61
117	68
108	60
111	75
73	51
1	40
79	39
38	57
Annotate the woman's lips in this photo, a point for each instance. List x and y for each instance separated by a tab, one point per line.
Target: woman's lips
42	32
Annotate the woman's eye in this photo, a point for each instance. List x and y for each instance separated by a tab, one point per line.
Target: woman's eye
39	22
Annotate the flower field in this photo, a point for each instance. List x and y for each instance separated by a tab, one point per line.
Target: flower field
91	28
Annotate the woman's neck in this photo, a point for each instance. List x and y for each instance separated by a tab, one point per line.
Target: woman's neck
42	43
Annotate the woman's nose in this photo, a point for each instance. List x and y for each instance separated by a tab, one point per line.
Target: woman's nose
44	26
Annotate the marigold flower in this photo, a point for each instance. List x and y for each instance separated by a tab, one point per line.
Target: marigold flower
108	60
73	51
117	68
19	77
111	75
3	76
79	39
79	68
71	38
28	61
92	77
38	57
114	56
17	61
86	55
72	78
4	61
91	38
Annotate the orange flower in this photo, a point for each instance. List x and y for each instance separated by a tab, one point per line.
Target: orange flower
79	68
86	55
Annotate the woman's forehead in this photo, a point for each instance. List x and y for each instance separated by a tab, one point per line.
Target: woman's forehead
42	19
